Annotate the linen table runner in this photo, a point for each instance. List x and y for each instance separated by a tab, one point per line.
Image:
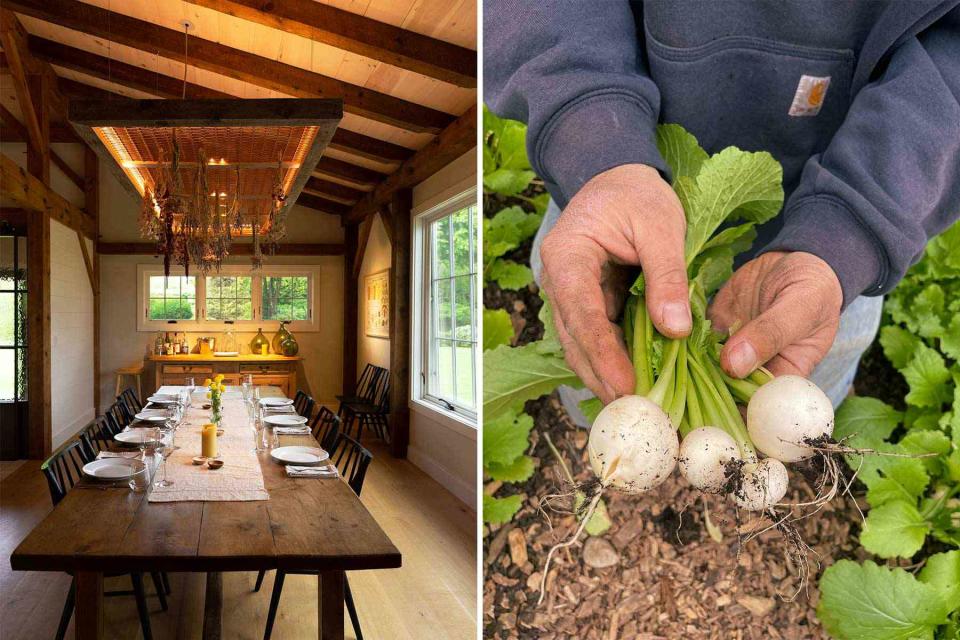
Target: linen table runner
239	479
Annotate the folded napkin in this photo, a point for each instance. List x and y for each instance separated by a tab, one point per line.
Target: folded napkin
292	431
286	409
118	454
296	471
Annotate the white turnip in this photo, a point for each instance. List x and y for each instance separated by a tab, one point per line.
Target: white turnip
705	454
633	445
762	485
786	415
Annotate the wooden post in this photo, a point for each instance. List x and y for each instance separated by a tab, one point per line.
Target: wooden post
91	194
38	334
330	587
401	203
350	311
38	157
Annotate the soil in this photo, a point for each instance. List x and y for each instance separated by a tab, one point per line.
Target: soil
671	580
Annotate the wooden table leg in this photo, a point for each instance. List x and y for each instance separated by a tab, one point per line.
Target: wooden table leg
213	607
330	605
88	619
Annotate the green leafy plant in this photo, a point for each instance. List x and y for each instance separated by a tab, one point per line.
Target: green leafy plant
507	173
912	487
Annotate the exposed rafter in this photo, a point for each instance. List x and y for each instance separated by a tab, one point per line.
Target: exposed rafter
452	143
234	63
358	34
30	193
349	172
335	190
323	204
164	86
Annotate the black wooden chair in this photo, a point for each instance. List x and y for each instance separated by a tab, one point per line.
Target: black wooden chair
121	414
325	428
132	401
114	424
352	460
370	414
366	387
303	404
97	436
63	470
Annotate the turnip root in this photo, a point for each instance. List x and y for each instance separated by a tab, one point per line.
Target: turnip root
762	485
785	415
704	456
633	445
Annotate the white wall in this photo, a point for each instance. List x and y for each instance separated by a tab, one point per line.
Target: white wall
376	258
71	335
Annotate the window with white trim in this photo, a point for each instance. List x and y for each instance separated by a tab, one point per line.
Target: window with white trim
446	256
248	298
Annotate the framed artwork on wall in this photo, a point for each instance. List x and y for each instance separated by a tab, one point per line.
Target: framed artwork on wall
377	304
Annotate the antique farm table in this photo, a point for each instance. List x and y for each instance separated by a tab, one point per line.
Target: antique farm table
308	523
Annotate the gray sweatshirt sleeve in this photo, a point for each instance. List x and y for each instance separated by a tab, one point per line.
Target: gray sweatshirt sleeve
890	177
583	92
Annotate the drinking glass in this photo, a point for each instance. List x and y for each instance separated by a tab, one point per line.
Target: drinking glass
191	386
246	382
257	425
164	452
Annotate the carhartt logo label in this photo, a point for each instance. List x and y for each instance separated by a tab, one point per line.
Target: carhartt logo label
809	97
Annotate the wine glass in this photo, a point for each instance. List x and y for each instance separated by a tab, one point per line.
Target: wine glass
191	386
164	451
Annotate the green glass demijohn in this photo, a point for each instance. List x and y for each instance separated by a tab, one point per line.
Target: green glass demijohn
289	346
259	340
279	337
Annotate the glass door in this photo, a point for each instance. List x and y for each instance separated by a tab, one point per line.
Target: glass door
13	342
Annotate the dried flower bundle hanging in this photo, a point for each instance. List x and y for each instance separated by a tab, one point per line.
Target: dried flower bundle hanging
199	227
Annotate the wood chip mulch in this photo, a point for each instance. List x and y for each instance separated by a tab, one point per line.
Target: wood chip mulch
671	580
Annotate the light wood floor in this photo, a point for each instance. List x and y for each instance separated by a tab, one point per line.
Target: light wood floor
432	596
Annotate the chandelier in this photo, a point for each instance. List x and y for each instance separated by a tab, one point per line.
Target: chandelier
210	173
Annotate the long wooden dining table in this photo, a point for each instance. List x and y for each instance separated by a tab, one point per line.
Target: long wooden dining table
306	524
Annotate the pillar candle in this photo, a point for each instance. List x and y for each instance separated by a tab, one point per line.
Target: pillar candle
208	440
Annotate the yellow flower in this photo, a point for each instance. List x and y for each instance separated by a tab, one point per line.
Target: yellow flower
208	395
222	387
206	382
219	377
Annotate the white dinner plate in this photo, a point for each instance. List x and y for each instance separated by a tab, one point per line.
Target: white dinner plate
164	399
304	456
276	402
285	420
136	436
112	468
153	415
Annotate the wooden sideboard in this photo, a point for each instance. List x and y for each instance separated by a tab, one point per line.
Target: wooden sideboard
272	370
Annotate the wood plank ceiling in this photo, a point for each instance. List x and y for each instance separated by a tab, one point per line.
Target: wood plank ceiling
405	69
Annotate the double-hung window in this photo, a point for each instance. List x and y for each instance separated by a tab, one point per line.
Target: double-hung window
446	327
234	293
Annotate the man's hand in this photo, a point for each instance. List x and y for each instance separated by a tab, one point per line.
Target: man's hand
624	216
783	309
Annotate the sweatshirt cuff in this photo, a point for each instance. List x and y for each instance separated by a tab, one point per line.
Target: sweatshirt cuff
826	227
596	132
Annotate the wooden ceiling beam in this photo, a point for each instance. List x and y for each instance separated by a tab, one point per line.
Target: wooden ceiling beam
453	142
127	75
164	86
358	34
234	63
14	46
58	133
19	134
30	193
334	189
323	204
237	249
349	172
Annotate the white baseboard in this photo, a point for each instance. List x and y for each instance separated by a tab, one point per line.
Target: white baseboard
455	485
